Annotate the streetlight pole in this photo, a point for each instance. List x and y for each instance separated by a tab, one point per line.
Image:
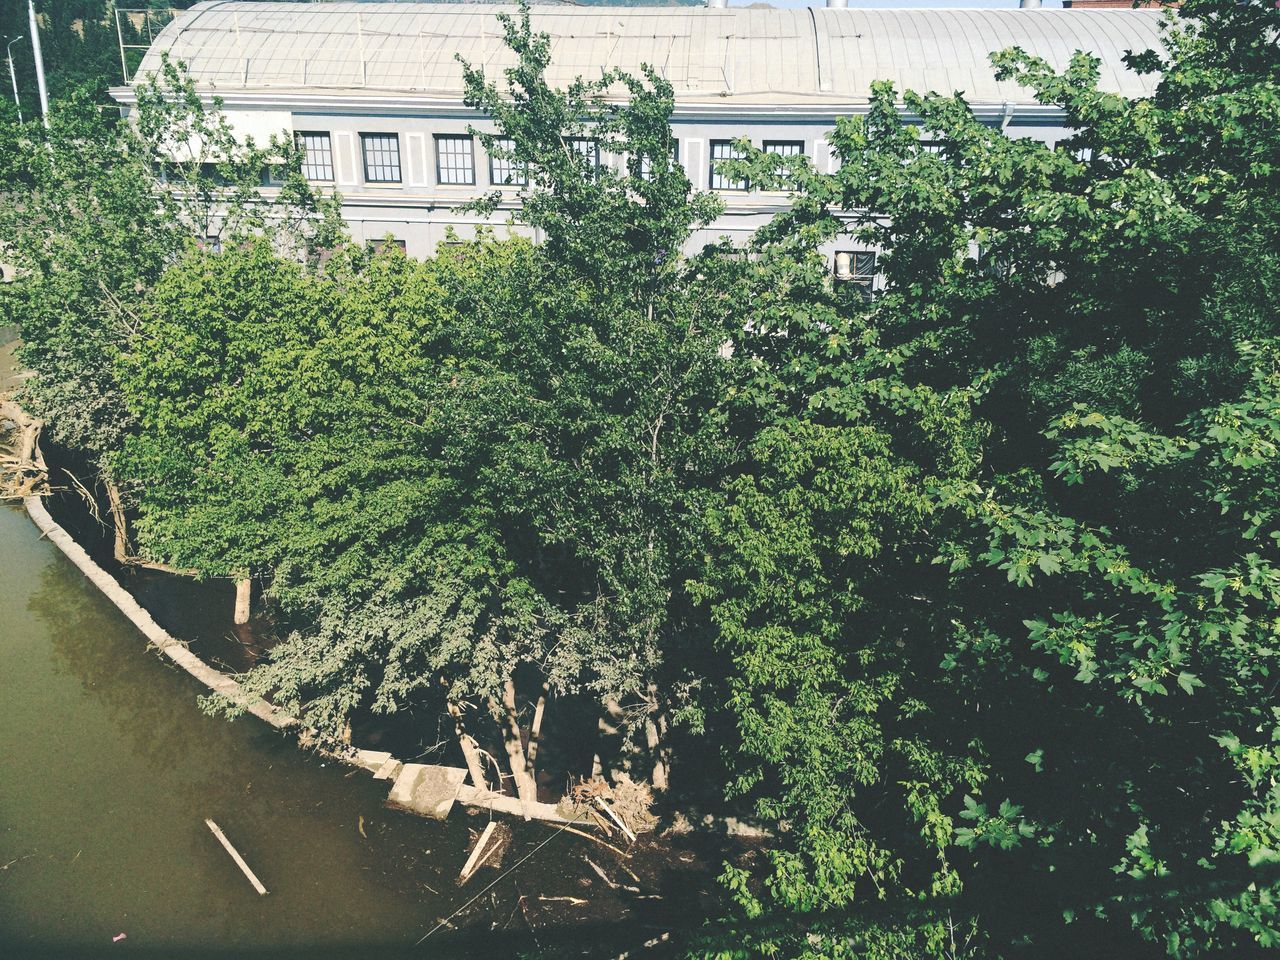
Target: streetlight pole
13	77
35	49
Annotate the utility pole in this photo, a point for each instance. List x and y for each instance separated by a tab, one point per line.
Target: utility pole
35	49
13	77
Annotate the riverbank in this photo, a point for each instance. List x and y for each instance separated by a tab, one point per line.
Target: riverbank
111	768
158	766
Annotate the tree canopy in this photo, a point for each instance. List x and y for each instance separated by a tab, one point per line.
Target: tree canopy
968	588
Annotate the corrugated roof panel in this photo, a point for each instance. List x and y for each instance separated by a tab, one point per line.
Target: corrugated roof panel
791	55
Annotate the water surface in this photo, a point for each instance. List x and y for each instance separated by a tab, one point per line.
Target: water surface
108	770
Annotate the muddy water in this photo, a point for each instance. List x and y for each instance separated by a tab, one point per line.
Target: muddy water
108	769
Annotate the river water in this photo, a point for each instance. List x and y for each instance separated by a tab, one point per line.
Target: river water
108	770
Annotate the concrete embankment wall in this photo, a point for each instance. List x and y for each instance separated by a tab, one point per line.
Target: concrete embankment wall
167	644
220	683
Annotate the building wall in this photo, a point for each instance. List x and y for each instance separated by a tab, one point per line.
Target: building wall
420	210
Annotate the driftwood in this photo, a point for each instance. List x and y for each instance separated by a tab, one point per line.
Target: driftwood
582	833
647	945
477	852
616	819
24	472
611	884
235	855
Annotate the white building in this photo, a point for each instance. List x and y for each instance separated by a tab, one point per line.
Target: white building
375	92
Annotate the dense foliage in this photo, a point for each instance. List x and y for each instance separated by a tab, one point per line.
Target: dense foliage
971	585
1000	582
93	213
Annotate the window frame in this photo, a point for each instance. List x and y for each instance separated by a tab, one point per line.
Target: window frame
516	168
595	150
364	158
714	175
377	246
768	144
646	165
300	137
863	280
470	169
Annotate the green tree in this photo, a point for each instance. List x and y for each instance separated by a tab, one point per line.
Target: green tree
518	479
94	212
998	585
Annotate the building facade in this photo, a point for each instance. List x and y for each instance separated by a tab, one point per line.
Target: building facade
374	90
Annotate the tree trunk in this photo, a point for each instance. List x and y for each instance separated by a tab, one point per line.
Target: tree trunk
118	522
608	724
535	732
469	752
525	787
655	729
243	590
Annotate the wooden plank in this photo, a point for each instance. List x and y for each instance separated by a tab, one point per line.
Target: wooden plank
616	819
222	838
473	861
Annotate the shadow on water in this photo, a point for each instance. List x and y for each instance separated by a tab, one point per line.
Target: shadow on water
108	770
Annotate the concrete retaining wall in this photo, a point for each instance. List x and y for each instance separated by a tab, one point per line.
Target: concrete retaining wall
219	682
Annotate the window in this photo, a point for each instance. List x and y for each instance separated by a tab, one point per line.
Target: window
646	165
588	149
212	172
931	146
505	171
317	156
381	157
385	243
857	268
724	150
455	159
993	263
785	148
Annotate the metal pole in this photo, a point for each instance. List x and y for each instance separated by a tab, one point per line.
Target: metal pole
124	64
13	77
35	49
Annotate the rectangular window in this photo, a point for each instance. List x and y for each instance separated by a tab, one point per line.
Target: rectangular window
931	146
857	267
213	173
381	157
386	243
724	150
455	159
588	149
505	171
785	148
317	156
646	165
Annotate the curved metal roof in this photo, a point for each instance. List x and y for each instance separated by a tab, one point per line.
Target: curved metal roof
748	54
